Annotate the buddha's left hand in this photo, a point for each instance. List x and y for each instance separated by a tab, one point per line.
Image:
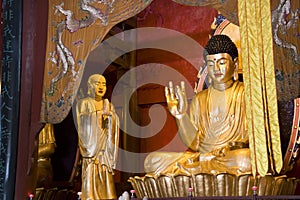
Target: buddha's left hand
221	152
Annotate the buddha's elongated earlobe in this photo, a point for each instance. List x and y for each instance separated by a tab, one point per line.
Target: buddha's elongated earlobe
209	80
235	75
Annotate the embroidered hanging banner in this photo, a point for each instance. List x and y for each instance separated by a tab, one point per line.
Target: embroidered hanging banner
74	30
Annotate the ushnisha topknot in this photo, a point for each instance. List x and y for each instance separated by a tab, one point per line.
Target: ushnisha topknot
220	44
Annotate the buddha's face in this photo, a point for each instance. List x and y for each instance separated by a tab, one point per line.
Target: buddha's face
220	67
98	83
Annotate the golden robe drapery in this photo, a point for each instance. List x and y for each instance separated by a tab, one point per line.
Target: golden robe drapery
260	87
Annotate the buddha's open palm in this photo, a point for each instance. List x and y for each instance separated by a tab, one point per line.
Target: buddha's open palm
176	100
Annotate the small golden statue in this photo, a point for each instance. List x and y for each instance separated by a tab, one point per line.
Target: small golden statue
98	135
215	131
45	150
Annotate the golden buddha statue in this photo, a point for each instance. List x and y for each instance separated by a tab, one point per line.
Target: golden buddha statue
215	130
98	135
218	160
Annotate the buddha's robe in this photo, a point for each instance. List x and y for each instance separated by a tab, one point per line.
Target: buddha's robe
98	137
215	147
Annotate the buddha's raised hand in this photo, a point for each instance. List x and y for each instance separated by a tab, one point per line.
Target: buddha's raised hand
176	100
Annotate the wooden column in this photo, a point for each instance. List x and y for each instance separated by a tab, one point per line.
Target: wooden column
10	97
23	51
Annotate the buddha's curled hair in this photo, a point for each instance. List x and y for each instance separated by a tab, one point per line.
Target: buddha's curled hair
220	44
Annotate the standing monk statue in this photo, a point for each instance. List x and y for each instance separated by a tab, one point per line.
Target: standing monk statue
215	130
98	135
